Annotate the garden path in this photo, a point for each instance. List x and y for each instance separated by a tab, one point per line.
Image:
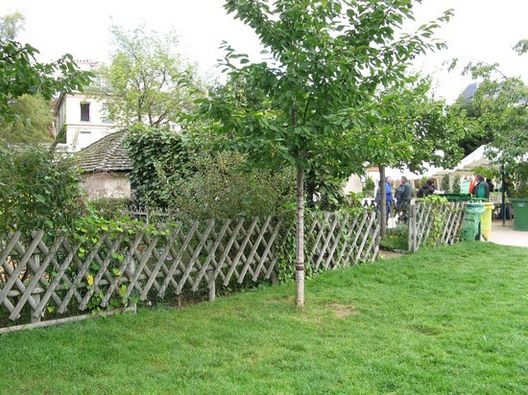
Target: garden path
505	235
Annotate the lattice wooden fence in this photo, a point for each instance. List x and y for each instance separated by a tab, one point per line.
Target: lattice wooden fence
341	239
422	217
47	279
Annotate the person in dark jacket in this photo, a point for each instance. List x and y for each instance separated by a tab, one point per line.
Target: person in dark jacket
482	189
404	194
491	186
427	189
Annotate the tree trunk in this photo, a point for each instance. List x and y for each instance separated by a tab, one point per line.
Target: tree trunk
299	239
383	202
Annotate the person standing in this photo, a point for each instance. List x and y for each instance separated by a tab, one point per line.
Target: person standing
482	189
491	186
427	189
388	195
404	195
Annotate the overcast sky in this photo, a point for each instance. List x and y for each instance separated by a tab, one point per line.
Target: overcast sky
481	29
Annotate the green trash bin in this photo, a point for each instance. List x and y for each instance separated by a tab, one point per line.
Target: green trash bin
520	214
471	224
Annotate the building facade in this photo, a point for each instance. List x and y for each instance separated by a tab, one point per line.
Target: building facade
81	117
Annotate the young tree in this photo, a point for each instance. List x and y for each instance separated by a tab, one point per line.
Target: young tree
147	82
326	57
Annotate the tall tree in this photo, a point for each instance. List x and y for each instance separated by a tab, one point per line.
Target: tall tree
147	82
326	57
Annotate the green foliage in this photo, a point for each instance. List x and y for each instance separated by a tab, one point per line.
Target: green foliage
520	177
396	239
436	202
22	74
223	186
403	126
327	58
155	153
490	172
110	208
499	107
444	183
146	82
88	230
31	121
38	191
369	187
456	184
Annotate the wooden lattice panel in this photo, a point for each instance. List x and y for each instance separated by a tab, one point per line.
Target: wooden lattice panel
49	278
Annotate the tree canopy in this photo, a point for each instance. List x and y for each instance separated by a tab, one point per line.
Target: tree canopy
146	81
404	126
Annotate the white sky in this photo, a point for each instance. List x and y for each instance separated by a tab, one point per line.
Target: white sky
481	29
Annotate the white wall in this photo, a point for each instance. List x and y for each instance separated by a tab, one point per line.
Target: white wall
107	185
353	184
80	134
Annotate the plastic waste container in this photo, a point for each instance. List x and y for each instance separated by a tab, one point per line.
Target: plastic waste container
472	217
486	220
520	214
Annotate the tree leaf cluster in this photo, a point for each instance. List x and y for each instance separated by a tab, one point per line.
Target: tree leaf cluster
146	81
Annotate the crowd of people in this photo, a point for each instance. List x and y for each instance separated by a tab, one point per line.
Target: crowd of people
398	199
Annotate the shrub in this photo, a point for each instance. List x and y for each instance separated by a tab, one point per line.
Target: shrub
369	187
222	186
110	208
154	152
396	239
38	191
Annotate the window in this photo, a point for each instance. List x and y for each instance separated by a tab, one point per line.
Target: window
85	112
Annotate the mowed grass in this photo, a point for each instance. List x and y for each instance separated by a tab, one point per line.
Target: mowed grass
450	320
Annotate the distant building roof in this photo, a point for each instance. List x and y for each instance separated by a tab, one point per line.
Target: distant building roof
469	92
105	155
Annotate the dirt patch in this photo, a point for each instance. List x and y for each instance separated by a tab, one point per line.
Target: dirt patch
343	311
426	330
389	254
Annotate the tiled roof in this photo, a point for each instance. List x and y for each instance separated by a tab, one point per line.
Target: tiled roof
105	155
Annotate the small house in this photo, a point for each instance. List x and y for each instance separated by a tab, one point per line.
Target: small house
105	166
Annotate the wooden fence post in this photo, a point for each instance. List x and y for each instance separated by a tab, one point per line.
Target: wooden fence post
412	228
132	274
212	285
35	317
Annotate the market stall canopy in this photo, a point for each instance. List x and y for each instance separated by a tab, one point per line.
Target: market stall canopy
477	158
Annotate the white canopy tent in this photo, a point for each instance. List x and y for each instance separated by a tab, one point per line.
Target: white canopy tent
476	159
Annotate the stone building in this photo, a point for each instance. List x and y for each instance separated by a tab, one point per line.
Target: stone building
106	165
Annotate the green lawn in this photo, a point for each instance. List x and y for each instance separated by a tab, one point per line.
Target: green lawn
453	320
